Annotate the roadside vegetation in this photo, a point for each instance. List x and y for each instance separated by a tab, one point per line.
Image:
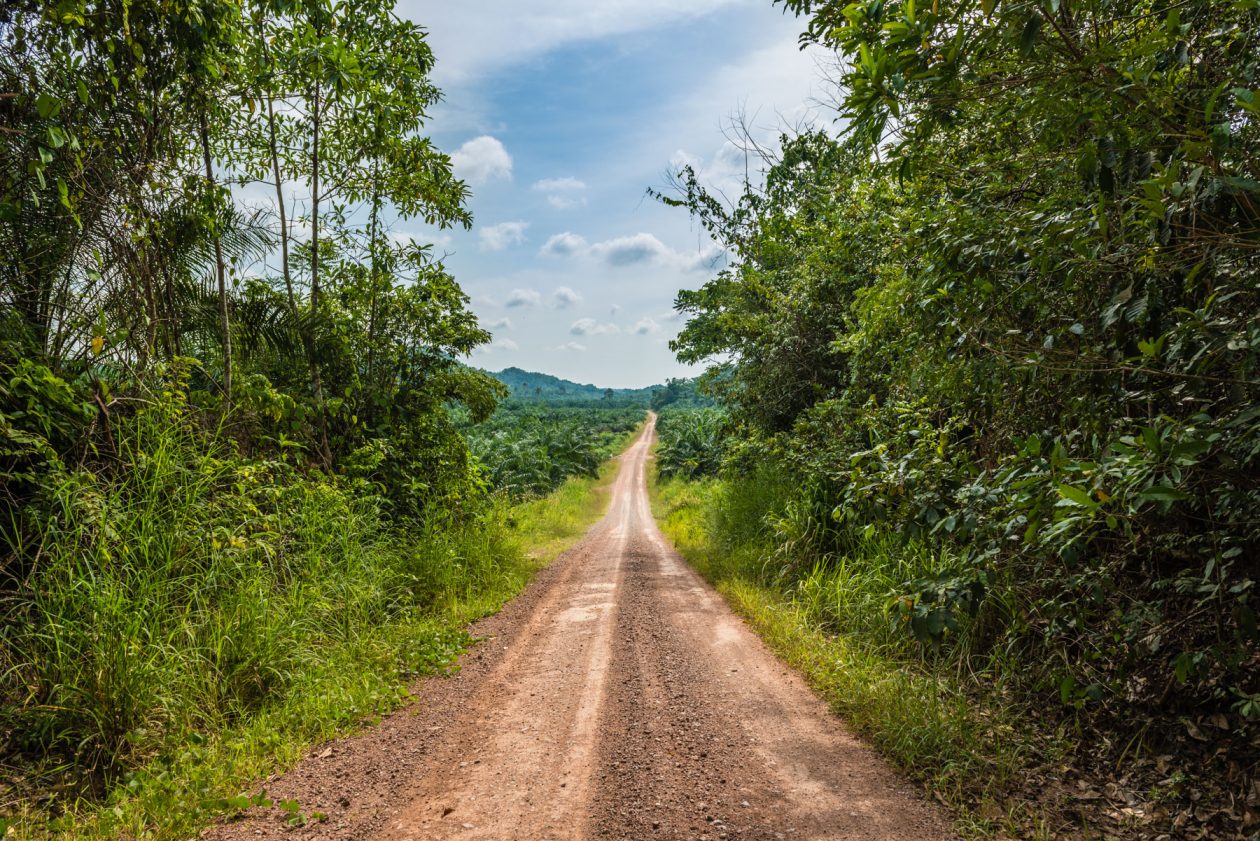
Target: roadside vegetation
988	358
185	678
973	745
244	494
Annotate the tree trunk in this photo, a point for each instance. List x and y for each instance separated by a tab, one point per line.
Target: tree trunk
220	272
373	280
316	385
284	219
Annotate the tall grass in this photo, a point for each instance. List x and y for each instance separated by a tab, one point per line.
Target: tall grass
193	619
826	614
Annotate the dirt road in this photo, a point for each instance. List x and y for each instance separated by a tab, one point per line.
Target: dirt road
620	698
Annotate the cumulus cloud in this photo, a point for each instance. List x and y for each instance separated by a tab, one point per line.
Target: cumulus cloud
500	236
644	326
626	251
631	250
591	327
563	245
572	346
497	345
482	160
562	193
523	298
504	323
704	260
565	297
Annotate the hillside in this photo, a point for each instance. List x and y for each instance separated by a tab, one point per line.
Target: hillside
530	385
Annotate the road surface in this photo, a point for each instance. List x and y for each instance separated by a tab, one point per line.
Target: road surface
617	698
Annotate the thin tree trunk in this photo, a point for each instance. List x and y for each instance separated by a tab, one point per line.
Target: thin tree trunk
284	219
220	273
372	277
151	308
274	148
308	342
170	335
316	385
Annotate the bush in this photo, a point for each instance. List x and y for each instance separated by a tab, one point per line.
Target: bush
182	586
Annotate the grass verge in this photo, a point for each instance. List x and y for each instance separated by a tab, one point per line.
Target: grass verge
969	750
196	771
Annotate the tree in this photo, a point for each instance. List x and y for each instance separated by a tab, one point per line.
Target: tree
1008	315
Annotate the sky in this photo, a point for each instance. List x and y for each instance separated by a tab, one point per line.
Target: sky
560	116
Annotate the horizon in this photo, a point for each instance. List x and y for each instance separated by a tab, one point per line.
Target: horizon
592	384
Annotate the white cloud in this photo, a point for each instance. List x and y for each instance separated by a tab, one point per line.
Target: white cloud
565	297
500	236
523	298
504	323
481	160
475	39
704	260
626	251
591	327
572	346
644	326
567	184
631	250
614	309
562	245
562	193
498	345
760	95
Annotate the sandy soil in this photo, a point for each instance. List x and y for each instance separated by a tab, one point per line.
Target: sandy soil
617	698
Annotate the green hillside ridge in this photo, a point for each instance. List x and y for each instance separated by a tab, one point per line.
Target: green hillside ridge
530	385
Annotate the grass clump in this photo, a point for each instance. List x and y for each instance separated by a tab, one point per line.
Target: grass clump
829	619
196	620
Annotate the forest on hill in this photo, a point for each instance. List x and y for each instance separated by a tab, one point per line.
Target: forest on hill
524	386
989	359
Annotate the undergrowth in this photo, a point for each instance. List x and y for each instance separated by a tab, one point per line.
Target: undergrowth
965	740
199	620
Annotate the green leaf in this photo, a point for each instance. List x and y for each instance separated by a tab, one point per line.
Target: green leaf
1028	37
1077	495
47	105
1163	493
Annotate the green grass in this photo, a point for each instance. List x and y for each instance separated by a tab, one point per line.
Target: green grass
966	746
201	623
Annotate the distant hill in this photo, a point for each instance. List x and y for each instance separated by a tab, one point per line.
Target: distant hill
545	388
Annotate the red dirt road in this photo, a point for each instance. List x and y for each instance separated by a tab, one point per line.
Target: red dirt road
617	698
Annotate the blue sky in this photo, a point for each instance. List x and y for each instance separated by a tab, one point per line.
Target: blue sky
560	116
